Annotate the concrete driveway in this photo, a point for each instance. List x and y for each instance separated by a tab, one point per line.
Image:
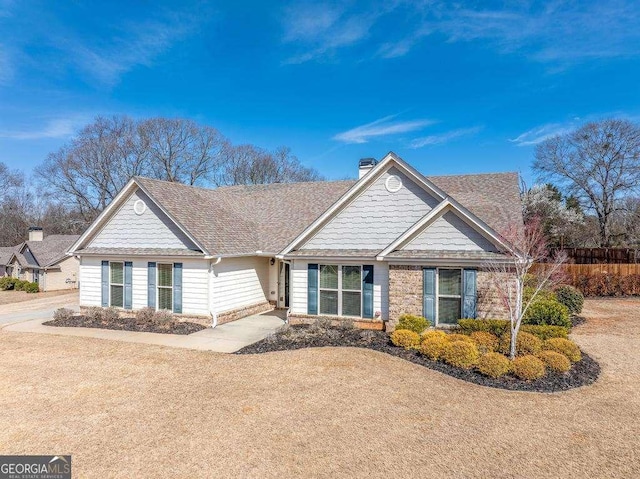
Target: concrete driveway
226	338
42	308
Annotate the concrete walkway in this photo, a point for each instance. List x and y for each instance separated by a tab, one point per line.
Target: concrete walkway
226	338
41	308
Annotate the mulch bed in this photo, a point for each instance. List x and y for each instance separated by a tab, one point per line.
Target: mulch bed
128	324
582	373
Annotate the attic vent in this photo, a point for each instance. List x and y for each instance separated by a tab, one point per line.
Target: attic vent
393	184
139	207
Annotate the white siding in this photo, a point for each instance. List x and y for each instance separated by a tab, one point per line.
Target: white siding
450	233
90	282
376	217
152	229
240	282
272	290
299	286
194	283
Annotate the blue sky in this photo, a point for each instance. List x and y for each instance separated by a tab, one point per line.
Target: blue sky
452	88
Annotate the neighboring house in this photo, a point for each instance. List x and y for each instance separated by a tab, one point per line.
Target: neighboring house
392	242
43	260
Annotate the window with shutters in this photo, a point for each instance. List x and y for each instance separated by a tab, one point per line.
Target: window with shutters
165	286
116	284
449	296
340	290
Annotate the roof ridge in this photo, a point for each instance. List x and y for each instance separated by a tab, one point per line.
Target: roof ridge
501	173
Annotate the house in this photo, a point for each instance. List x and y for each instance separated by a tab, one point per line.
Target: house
43	260
392	242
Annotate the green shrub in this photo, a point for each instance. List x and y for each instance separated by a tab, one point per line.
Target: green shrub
459	337
8	283
486	342
547	312
414	323
31	287
405	338
433	346
571	298
528	368
563	346
526	343
496	327
542	295
462	354
63	314
555	361
545	332
494	365
19	284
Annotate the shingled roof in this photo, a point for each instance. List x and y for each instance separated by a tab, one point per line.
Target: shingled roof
51	249
246	219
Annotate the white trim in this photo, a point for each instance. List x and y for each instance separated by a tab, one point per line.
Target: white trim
388	181
116	284
391	159
158	287
139	207
437	299
340	290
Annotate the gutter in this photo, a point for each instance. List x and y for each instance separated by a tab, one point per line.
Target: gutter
212	309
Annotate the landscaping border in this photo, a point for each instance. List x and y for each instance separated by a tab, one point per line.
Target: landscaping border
582	373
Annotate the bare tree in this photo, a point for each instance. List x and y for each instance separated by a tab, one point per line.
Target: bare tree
181	150
250	165
599	163
9	179
509	274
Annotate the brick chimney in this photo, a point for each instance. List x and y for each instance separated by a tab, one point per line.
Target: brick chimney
36	233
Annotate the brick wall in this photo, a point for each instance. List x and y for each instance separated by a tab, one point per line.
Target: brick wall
405	293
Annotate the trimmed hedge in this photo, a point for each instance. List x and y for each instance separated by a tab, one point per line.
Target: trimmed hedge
556	361
545	332
414	323
526	343
461	354
497	327
563	346
8	283
405	338
528	368
494	365
604	284
547	312
30	287
486	342
433	346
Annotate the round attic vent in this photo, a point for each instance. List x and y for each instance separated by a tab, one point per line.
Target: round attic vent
393	184
139	207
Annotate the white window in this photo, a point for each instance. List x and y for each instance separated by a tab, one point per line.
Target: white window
116	284
165	286
449	296
340	290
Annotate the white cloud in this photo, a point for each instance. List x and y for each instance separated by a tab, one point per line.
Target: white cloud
540	133
445	137
379	128
54	128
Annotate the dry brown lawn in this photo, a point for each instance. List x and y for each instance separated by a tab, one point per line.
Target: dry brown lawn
130	410
10	297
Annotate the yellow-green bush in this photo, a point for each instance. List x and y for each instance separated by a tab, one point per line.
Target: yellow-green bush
433	346
528	367
563	346
549	312
571	297
462	354
486	342
545	332
433	333
405	338
494	365
414	323
543	294
556	361
459	337
526	343
493	326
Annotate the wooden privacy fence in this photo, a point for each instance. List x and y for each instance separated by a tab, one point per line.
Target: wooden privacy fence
601	255
604	279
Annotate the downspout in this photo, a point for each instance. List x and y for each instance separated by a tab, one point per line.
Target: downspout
288	261
212	309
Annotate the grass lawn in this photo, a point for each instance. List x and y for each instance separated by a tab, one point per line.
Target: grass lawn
10	297
130	410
